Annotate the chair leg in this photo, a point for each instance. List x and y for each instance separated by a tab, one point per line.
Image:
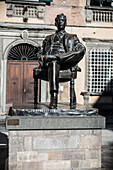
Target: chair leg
35	90
72	95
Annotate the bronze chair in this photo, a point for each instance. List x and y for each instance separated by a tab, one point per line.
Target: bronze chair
64	76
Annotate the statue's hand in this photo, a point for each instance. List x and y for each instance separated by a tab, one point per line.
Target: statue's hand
78	47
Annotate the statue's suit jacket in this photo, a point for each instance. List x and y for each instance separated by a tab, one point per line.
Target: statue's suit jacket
70	42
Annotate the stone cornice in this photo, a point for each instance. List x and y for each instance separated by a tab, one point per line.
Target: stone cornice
97	40
28	26
25	2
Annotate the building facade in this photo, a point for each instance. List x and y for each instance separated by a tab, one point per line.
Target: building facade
24	25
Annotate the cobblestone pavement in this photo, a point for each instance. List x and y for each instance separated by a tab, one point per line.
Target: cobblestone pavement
107	157
3	143
3	157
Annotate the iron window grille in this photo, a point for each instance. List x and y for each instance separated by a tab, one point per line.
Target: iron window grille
100	71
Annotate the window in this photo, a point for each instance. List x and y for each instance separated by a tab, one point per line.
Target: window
100	70
99	11
101	3
45	0
99	66
25	9
23	52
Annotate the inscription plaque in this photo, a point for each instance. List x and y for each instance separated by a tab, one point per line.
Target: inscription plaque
12	122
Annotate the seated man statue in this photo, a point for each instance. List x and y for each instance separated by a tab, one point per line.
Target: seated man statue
60	51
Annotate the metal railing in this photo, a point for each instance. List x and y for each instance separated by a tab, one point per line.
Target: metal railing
102	16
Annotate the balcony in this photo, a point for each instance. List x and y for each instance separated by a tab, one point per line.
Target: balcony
99	14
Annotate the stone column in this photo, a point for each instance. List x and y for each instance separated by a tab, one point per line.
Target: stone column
1	49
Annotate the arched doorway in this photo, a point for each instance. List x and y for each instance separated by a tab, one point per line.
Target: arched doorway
21	60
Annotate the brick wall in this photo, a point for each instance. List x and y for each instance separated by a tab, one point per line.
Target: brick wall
75	13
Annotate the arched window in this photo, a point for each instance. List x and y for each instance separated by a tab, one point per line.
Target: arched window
23	51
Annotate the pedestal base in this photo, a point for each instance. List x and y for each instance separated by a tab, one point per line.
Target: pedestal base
54	142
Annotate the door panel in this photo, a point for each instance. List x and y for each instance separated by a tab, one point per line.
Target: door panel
14	82
29	81
20	82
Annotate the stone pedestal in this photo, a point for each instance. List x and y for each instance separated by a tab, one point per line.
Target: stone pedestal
54	142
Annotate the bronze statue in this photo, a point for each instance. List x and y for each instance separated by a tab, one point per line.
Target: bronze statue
60	51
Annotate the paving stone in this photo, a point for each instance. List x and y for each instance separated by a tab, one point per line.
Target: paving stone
13	157
32	166
78	132
107	137
54	155
107	157
93	154
31	156
15	166
89	163
73	155
55	143
16	144
27	143
75	164
85	164
3	157
59	164
26	133
56	133
90	141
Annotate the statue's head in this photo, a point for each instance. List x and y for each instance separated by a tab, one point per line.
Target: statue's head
60	21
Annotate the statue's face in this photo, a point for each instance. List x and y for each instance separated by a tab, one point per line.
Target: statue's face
61	23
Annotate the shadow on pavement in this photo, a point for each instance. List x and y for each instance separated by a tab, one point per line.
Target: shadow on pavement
3	151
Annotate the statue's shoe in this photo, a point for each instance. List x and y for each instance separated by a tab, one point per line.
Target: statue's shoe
53	103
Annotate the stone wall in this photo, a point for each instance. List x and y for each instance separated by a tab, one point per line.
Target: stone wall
73	9
54	149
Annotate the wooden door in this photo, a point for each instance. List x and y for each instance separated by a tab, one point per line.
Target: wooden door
20	81
14	82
